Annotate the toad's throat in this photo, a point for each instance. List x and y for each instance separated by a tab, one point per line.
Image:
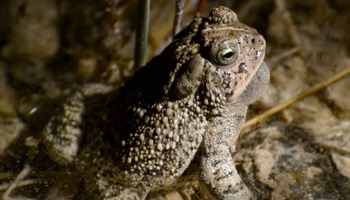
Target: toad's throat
228	84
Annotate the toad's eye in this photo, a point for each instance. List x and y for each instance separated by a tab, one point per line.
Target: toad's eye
224	54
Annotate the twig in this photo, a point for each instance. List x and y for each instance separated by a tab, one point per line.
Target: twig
299	97
141	33
179	9
5	186
25	171
337	149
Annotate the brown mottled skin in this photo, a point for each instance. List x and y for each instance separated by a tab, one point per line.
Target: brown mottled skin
191	98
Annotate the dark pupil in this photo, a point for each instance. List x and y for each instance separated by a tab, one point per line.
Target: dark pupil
228	55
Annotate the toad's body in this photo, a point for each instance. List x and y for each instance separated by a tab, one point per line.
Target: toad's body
192	98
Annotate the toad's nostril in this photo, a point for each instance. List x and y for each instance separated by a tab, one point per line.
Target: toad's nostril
252	40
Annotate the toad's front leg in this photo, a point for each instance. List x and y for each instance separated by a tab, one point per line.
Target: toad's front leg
218	170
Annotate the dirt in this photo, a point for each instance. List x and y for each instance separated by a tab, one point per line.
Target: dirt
49	48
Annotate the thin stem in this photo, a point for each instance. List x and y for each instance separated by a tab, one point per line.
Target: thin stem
141	33
25	171
179	9
299	97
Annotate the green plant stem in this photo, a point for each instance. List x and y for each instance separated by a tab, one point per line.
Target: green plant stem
141	33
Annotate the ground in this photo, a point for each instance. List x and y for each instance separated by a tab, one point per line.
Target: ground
48	48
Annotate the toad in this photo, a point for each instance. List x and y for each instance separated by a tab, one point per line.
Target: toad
189	102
